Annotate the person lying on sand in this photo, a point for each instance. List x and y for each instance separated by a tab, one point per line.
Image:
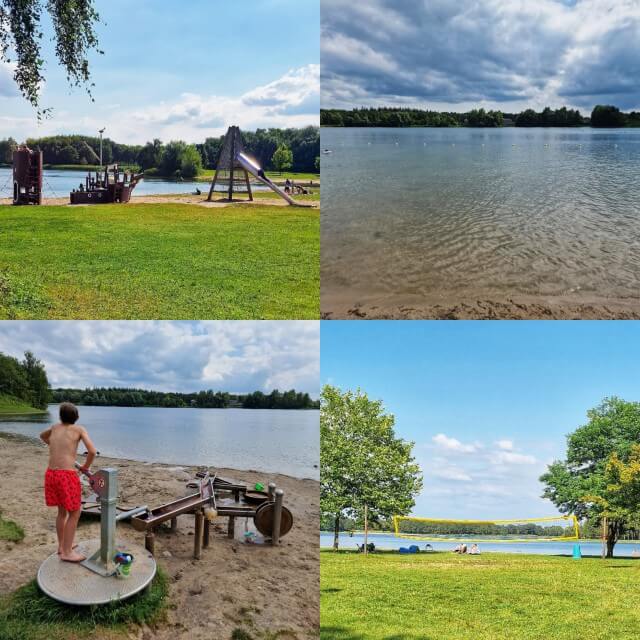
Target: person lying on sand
61	482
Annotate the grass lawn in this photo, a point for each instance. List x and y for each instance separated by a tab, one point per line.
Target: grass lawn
277	177
28	614
14	406
161	261
10	531
495	596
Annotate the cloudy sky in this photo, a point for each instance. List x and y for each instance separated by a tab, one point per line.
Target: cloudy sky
172	356
488	404
504	54
184	70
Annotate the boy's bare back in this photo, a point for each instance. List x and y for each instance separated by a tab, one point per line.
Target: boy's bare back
63	441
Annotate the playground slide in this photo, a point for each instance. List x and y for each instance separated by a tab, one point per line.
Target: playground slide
253	169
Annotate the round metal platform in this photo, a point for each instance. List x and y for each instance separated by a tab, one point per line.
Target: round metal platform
73	583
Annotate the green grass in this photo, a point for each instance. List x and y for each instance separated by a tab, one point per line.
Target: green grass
10	531
10	405
207	174
442	596
28	614
160	261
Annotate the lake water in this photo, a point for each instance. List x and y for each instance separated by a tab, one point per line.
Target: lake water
446	214
275	441
385	541
59	183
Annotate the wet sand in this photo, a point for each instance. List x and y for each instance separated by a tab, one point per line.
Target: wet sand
512	308
259	588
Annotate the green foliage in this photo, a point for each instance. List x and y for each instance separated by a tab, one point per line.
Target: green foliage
28	613
361	460
26	380
190	162
282	158
10	531
497	596
181	261
276	400
150	156
607	116
602	116
123	397
6	150
21	34
572	484
550	118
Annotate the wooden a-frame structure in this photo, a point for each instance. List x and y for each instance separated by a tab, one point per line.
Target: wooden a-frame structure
228	163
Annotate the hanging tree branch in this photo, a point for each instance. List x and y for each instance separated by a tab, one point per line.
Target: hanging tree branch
74	36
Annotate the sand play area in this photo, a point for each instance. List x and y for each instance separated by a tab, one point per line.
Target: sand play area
267	591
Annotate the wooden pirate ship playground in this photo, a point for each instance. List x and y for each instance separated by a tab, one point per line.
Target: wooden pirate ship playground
106	187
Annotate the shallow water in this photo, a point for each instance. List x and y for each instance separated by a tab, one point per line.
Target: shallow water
386	541
486	213
275	441
59	183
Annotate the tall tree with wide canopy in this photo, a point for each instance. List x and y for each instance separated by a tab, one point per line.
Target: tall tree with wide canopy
579	484
361	460
21	34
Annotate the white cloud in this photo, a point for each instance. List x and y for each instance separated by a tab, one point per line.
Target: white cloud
493	53
289	101
179	356
505	445
499	479
451	444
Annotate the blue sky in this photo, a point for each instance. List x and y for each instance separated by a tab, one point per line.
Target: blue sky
504	54
488	404
172	356
184	70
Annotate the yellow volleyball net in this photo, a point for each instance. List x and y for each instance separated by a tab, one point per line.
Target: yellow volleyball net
553	529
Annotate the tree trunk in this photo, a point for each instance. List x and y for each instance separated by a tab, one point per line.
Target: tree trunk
336	532
613	532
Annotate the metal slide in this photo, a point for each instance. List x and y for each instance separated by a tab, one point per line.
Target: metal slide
253	169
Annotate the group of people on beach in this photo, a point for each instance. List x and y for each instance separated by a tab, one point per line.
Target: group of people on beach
462	549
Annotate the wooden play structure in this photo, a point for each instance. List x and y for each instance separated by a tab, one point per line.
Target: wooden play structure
27	176
106	187
215	498
234	166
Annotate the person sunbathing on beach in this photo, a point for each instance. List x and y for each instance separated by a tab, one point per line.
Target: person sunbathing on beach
61	482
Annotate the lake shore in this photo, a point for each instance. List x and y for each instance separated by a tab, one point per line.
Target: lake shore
183	198
339	307
257	588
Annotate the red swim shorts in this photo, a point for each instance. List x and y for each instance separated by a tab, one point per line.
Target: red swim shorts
62	489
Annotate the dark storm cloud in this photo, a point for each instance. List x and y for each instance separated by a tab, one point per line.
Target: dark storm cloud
499	52
179	356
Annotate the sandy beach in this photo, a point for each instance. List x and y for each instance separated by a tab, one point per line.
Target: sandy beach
179	198
512	308
257	587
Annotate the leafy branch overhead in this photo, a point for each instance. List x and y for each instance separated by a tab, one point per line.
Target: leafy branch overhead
21	35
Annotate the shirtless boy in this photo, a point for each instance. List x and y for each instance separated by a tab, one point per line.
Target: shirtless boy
61	482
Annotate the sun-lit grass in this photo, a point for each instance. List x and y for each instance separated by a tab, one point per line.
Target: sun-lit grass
174	261
495	596
14	406
28	614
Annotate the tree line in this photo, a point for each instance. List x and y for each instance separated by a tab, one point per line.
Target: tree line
601	116
25	380
122	397
297	150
